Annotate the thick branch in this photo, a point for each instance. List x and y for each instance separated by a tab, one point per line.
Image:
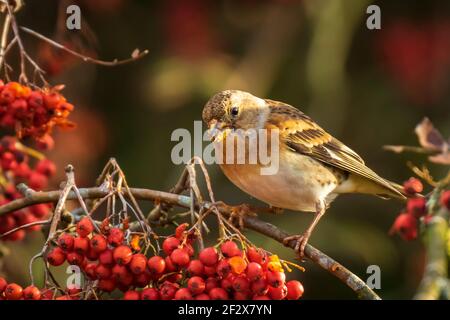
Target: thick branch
434	281
267	229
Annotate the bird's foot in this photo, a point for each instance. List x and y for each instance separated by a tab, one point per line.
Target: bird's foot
238	214
301	241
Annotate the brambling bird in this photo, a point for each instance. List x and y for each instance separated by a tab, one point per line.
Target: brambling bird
314	167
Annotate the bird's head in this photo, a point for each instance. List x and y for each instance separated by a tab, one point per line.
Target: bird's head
234	109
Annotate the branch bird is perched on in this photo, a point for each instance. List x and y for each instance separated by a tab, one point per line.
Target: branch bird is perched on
314	167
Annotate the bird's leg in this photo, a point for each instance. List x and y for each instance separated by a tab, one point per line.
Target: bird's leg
302	240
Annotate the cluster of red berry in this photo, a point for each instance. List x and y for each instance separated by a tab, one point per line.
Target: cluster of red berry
406	223
16	167
115	263
33	113
29	114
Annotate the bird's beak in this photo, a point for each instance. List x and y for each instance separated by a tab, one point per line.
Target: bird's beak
215	127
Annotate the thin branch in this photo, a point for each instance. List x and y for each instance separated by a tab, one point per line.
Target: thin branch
134	56
318	257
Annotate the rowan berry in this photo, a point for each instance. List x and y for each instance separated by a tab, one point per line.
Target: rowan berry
122	255
65	241
208	256
84	227
196	285
98	243
170	244
138	263
150	294
156	265
294	290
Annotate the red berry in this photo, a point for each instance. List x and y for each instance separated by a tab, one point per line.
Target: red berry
103	272
75	258
122	255
91	255
167	291
241	284
13	291
170	267
294	290
223	268
89	269
230	249
406	226
180	257
278	293
417	207
37	181
3	285
40	210
208	256
45	142
98	243
183	294
138	263
81	245
260	298
275	278
210	271
196	285
131	295
227	283
119	272
170	244
65	242
259	287
107	285
156	265
106	258
218	294
52	100
445	199
46	167
211	283
413	186
84	227
56	257
115	237
35	100
31	293
195	268
254	271
241	295
150	294
202	296
141	280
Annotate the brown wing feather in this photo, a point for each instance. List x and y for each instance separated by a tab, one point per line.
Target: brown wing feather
303	135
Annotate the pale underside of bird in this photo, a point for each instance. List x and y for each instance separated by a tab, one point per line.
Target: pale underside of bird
313	166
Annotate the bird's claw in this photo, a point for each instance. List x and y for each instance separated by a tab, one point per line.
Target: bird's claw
239	213
301	240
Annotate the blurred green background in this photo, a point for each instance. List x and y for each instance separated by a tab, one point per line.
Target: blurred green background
366	87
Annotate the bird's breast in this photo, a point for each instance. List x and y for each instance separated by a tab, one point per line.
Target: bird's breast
297	184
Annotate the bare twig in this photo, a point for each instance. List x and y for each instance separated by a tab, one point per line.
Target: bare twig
134	56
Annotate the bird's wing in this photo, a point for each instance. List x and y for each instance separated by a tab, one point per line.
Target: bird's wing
304	136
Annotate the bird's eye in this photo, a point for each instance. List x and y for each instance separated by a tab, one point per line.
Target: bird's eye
234	111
